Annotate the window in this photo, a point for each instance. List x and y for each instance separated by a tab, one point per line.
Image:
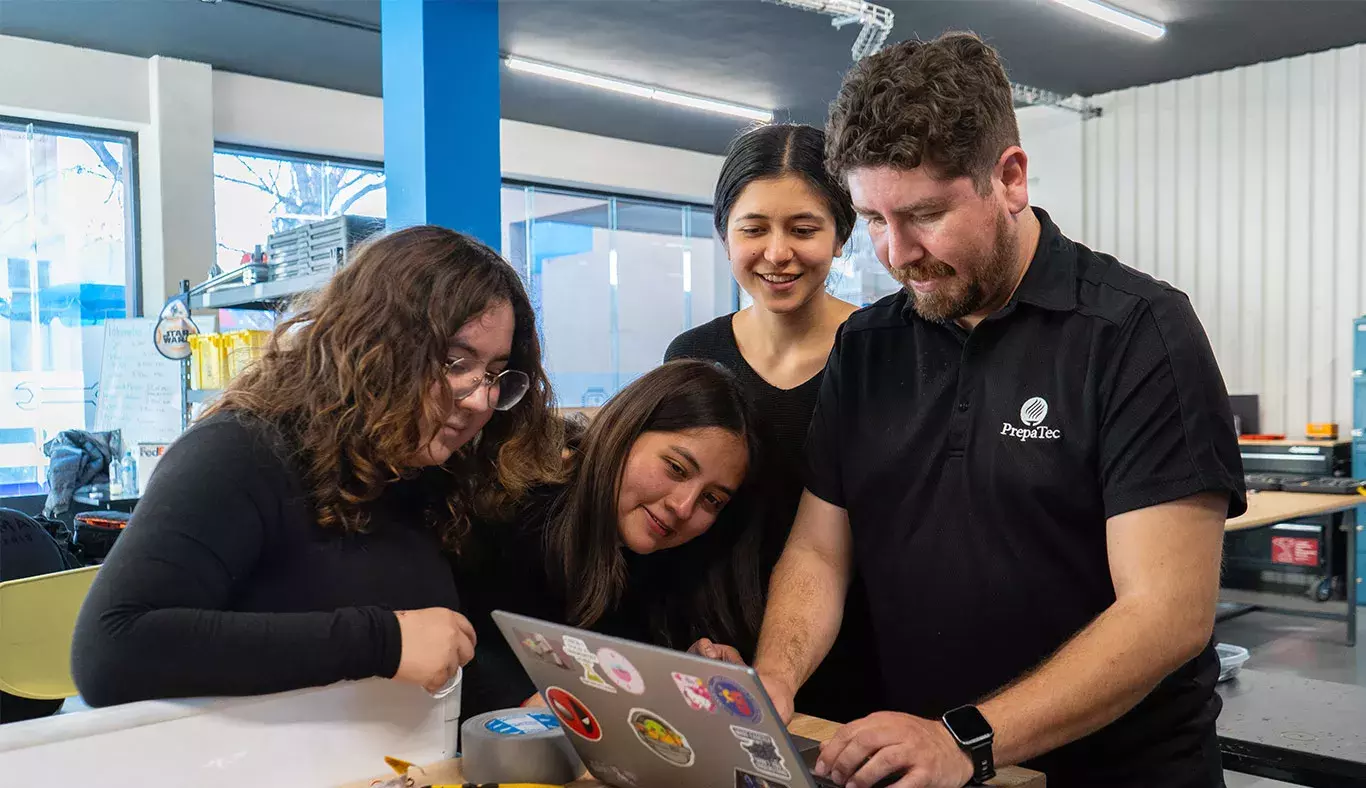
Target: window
69	252
613	280
257	193
859	277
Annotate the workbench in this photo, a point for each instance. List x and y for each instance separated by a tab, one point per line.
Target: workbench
448	772
1269	508
1294	729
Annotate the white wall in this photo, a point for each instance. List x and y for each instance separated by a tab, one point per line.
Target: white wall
180	109
1052	139
66	84
1244	189
175	155
269	114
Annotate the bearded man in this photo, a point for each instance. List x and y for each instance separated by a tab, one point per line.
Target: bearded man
1028	453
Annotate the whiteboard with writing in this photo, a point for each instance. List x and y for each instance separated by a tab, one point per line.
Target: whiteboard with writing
139	388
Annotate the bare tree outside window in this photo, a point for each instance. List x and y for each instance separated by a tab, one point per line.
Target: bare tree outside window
256	195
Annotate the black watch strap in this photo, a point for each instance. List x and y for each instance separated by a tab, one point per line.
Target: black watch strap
983	764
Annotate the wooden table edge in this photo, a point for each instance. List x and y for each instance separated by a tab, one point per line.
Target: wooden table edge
1268	508
448	771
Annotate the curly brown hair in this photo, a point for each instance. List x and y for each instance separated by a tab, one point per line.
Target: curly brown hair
945	102
348	380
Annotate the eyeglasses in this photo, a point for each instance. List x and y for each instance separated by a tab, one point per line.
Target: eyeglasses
505	389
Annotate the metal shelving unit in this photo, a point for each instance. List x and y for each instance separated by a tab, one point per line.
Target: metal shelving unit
1359	447
263	295
296	261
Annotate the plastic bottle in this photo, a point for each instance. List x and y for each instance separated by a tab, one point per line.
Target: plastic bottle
129	473
115	477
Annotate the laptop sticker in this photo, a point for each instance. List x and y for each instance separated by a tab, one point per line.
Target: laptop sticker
660	737
522	724
541	648
763	752
734	699
613	774
620	670
577	649
744	779
695	692
573	714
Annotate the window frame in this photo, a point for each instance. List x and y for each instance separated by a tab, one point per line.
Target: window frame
280	154
133	242
603	194
133	222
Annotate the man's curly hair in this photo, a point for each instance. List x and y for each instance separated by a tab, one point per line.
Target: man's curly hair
946	103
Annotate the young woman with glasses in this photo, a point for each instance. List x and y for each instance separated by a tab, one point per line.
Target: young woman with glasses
297	534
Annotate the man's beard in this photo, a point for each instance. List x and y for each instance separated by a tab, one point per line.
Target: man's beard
975	285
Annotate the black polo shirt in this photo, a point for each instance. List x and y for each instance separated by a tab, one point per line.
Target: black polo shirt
979	468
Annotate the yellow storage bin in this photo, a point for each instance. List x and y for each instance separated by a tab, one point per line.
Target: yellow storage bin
208	362
242	348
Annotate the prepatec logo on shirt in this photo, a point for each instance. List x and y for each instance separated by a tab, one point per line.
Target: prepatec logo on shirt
1032	413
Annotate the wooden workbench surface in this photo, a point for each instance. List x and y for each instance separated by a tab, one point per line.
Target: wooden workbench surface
1266	508
811	727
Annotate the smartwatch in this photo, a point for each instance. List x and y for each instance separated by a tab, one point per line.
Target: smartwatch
973	733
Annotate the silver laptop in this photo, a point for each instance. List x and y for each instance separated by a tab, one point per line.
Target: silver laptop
642	716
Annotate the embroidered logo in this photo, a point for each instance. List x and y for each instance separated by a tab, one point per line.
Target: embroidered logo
1034	410
1032	413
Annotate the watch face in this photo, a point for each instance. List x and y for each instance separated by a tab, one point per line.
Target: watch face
967	725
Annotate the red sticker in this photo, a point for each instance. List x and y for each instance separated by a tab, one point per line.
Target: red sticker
1295	550
575	716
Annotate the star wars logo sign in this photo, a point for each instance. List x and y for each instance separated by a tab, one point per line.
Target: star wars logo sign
174	328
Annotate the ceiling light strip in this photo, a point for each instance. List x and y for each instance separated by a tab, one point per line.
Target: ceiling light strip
637	90
1116	16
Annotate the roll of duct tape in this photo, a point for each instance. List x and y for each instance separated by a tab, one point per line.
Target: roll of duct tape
517	746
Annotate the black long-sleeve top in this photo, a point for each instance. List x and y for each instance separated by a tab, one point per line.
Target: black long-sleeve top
225	584
846	685
504	566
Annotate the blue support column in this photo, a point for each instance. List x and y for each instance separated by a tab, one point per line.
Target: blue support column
441	156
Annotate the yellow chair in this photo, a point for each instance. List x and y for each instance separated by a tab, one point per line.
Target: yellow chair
37	617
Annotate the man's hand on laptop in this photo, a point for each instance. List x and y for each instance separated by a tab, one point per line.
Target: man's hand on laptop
865	751
534	701
706	648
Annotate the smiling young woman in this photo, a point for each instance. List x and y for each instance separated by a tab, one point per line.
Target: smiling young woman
280	534
784	220
642	542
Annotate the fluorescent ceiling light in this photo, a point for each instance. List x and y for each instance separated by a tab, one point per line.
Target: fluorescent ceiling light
1116	16
639	91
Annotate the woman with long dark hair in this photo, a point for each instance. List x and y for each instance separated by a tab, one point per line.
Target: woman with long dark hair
294	536
783	220
642	540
